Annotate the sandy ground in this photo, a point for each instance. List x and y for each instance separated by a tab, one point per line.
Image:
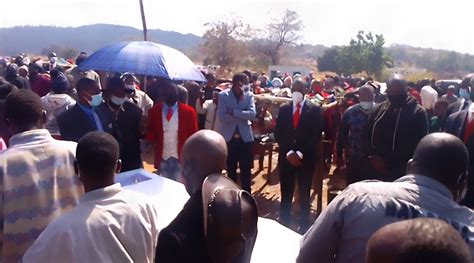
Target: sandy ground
266	189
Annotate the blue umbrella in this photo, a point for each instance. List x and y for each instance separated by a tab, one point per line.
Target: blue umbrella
144	58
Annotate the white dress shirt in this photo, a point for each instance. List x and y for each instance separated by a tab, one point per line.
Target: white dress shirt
429	96
109	225
170	133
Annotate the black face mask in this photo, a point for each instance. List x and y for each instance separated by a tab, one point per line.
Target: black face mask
397	100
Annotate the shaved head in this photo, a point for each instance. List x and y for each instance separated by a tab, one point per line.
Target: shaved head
417	240
204	153
299	85
440	156
396	85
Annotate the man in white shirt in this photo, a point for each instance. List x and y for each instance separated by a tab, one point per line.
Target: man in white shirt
428	97
109	224
436	182
208	108
138	97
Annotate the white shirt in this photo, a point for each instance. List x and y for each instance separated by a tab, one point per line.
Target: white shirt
208	108
143	101
109	225
341	232
301	109
170	133
429	96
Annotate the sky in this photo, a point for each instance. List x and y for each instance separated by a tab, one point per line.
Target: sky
437	24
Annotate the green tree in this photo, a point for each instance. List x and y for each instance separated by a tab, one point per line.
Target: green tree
365	53
328	61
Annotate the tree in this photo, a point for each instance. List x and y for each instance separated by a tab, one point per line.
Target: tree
278	34
365	53
221	44
328	61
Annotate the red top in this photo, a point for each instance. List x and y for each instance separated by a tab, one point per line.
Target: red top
187	125
415	94
41	85
469	130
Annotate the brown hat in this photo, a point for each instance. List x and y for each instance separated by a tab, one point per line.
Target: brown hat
230	220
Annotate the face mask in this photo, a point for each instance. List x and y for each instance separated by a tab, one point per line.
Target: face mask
464	94
297	97
53	60
367	105
26	61
130	87
245	88
397	100
96	100
118	101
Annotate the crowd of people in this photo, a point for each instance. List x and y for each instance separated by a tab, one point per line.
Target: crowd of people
65	133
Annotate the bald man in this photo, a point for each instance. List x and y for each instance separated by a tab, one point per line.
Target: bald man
435	183
394	129
418	240
183	239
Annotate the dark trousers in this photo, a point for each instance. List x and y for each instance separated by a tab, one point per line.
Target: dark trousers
240	153
289	175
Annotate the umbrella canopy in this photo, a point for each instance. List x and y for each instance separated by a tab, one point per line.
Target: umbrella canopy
145	58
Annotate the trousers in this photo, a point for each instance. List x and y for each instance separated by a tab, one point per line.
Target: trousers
240	154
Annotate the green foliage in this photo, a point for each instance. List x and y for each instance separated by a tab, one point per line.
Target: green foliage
365	53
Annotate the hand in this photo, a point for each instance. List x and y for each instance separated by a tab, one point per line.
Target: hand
378	163
294	160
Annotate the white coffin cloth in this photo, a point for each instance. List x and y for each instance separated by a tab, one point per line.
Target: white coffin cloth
275	243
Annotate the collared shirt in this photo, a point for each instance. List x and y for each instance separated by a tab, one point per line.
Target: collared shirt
295	106
341	232
143	101
93	116
170	132
109	225
38	185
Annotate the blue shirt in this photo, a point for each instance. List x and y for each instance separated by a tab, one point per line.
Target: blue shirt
353	124
93	116
166	107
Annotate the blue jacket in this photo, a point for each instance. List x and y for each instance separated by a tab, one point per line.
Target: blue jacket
233	113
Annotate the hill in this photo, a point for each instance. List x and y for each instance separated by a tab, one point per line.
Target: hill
33	39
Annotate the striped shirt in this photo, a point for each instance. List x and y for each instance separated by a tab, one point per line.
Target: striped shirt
37	184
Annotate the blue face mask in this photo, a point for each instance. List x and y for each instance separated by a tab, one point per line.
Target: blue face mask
96	100
463	93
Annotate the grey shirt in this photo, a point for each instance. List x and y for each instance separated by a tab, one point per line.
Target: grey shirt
341	232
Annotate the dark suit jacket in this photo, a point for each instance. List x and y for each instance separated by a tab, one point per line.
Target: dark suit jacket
458	106
124	125
74	123
183	239
305	137
456	125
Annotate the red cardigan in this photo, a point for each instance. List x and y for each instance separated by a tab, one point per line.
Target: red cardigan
187	125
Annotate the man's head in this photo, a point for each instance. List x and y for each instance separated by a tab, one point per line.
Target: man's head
441	108
397	91
240	83
288	81
98	161
366	97
59	82
417	240
444	158
24	111
169	92
298	90
451	90
88	92
81	58
329	84
199	163
33	70
211	80
130	81
115	94
23	71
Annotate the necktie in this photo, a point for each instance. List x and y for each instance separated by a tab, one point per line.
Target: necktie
296	115
169	114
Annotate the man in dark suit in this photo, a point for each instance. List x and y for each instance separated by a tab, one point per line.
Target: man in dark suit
461	124
298	131
185	239
84	117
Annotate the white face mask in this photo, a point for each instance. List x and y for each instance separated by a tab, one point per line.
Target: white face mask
118	101
297	97
53	60
130	86
367	105
245	88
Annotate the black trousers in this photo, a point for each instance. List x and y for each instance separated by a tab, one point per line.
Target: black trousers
240	153
289	176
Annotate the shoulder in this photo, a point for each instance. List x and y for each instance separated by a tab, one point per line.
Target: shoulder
132	108
286	106
68	113
185	108
158	107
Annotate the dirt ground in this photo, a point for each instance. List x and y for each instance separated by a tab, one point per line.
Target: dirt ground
266	189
